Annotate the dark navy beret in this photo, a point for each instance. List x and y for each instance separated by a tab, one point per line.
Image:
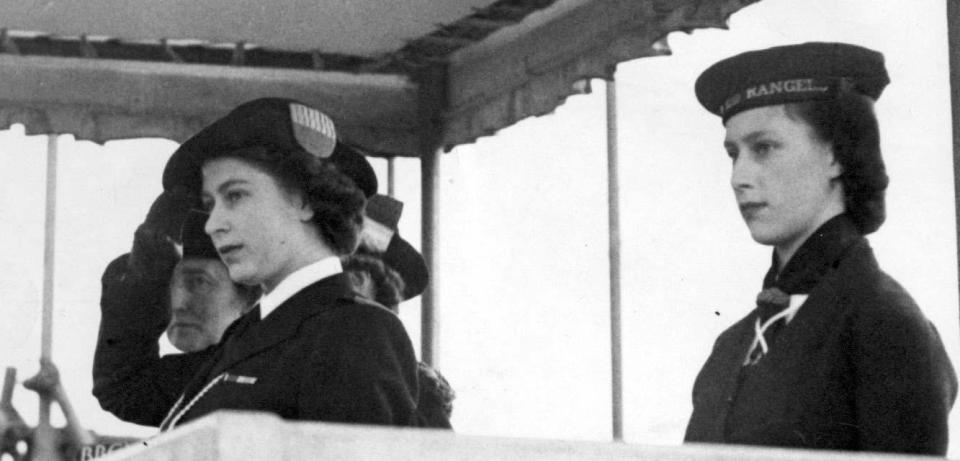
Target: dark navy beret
786	74
196	242
279	124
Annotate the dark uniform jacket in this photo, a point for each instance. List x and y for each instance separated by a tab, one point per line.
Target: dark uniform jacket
324	354
858	368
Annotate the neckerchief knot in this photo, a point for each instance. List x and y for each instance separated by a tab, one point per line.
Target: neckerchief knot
770	301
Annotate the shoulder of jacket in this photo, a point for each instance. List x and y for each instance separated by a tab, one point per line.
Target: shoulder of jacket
872	293
351	308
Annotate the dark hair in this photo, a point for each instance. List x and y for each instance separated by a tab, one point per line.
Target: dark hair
336	200
385	284
850	125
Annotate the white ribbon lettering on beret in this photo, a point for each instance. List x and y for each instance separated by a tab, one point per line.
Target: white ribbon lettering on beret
800	87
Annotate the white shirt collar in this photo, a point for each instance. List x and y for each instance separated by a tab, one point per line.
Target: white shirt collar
298	280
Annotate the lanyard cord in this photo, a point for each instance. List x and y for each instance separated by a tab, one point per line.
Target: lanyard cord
174	414
758	340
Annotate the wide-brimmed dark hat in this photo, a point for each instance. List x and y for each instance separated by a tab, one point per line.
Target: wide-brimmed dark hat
787	74
196	242
278	124
380	237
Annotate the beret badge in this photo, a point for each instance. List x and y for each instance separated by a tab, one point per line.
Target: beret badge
313	130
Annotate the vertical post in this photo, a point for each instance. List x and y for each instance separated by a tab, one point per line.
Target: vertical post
953	37
428	313
432	99
391	177
44	437
9	381
613	197
49	239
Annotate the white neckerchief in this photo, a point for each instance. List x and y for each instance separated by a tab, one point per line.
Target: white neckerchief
759	329
298	280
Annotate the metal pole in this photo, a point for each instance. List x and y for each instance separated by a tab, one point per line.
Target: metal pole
953	38
432	97
613	197
391	177
49	234
430	182
44	438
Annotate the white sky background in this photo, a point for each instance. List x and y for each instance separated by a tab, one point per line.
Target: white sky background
523	242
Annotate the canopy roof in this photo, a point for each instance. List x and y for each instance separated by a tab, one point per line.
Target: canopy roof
387	72
355	27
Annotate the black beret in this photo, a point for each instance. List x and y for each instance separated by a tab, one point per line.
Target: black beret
381	238
278	124
786	74
196	242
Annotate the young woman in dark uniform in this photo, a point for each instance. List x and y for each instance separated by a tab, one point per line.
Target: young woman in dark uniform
836	355
285	200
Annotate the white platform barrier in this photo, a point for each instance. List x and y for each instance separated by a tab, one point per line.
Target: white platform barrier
240	436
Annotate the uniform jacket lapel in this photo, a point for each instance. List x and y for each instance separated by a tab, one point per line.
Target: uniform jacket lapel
284	322
249	336
205	372
811	322
805	331
729	376
819	313
796	345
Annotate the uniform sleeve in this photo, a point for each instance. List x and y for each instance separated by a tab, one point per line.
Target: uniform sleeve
905	382
364	371
130	379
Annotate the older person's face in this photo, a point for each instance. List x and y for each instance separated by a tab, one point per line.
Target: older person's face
203	302
260	231
783	177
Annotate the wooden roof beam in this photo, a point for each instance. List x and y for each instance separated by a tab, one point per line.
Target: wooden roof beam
448	42
485	23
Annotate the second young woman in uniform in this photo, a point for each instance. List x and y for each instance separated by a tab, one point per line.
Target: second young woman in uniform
836	355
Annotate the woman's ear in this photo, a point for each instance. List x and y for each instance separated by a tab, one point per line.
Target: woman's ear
306	211
301	208
834	168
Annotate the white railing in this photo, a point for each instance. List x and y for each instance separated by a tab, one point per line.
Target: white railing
257	436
